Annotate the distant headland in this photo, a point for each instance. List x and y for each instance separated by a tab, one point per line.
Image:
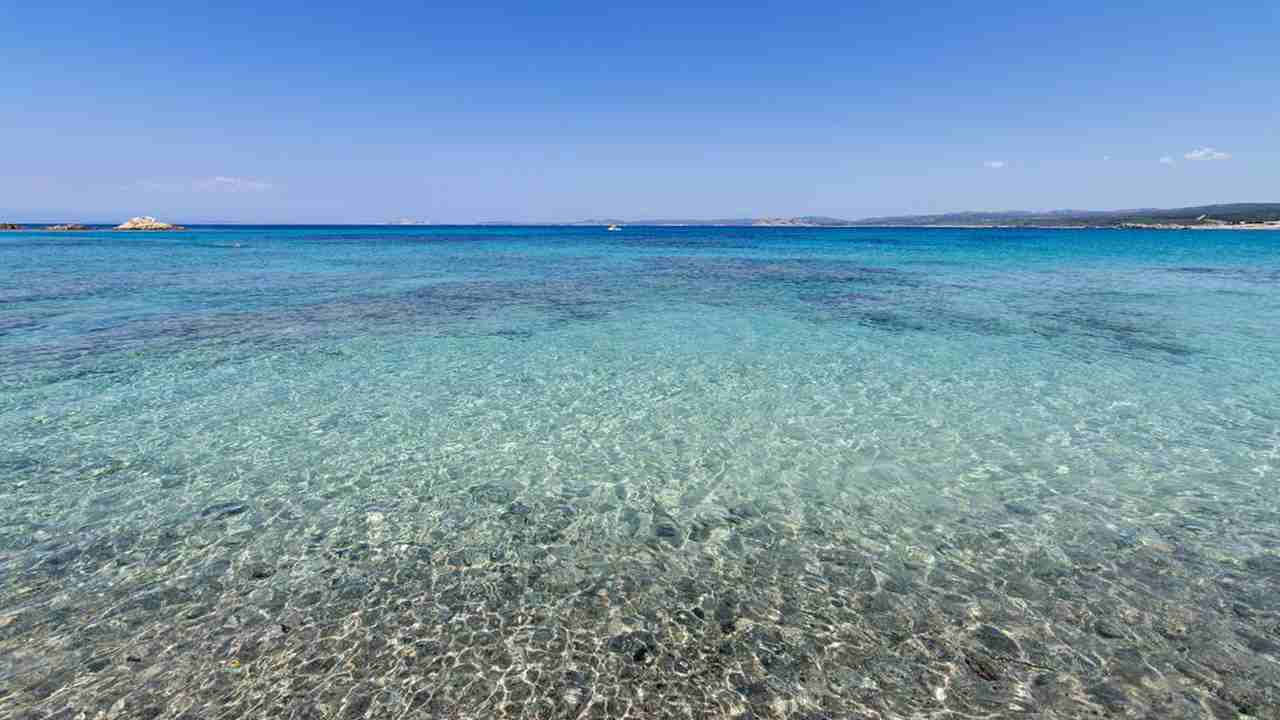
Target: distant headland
1236	216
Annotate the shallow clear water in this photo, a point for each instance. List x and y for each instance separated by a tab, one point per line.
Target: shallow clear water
559	472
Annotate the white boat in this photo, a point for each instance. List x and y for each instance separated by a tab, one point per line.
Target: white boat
614	228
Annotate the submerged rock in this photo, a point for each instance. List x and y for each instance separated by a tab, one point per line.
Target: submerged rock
640	645
225	509
1109	630
146	222
998	640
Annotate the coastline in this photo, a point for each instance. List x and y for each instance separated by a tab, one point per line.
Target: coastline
1270	225
1126	226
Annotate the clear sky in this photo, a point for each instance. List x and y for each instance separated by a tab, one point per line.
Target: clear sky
344	112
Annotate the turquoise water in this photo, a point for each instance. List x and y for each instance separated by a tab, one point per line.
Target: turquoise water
665	472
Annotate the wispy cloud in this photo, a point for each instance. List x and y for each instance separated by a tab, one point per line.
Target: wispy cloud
1207	153
994	164
155	186
216	183
1105	158
222	183
1167	160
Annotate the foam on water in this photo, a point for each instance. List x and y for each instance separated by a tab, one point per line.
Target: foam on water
506	472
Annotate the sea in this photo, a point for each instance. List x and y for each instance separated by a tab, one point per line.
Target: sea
665	472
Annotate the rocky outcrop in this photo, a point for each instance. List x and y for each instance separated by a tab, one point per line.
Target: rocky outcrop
10	226
68	226
146	222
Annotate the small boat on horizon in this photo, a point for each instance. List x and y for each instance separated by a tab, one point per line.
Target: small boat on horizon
614	228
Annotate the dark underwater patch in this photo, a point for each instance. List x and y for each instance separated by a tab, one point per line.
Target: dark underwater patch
890	321
17	323
685	242
884	312
1253	275
1127	332
514	334
783	271
443	308
846	299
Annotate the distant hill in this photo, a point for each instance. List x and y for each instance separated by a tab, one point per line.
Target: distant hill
1200	215
805	221
618	221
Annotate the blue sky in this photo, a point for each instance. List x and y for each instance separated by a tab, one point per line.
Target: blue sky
328	112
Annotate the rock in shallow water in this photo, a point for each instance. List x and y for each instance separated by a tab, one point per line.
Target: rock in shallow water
1265	564
490	493
998	641
222	510
1109	630
639	645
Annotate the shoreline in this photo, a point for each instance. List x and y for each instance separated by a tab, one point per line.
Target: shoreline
938	226
1127	226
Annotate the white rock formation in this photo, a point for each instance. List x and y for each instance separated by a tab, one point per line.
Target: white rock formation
146	222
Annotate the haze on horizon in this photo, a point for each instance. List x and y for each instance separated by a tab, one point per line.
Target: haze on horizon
292	112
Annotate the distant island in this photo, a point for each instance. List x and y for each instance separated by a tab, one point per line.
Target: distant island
143	222
146	222
1247	216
